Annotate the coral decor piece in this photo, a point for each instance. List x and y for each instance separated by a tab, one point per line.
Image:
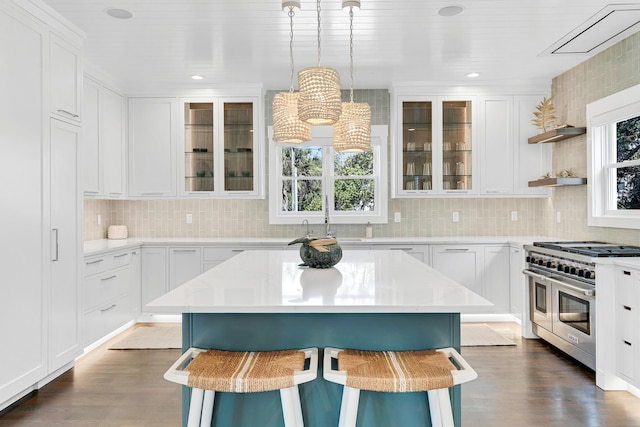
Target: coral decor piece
319	253
545	116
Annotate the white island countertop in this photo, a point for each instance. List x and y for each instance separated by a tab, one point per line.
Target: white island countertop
364	281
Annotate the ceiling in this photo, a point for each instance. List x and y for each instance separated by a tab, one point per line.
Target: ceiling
246	42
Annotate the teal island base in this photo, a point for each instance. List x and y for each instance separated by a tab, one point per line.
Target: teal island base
321	399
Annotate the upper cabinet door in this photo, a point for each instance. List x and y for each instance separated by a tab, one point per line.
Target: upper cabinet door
458	145
152	147
66	80
240	158
220	148
498	143
112	140
416	136
92	169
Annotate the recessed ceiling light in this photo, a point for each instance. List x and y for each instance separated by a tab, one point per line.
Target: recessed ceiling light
450	11
197	77
472	75
118	13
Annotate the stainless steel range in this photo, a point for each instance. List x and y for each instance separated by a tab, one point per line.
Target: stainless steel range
562	292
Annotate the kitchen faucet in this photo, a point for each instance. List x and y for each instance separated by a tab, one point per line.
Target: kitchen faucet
309	233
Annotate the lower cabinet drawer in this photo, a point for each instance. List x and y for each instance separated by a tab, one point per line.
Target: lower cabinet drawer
104	287
106	319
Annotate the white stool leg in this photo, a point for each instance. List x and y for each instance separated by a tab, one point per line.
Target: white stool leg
195	407
291	407
349	407
207	408
440	408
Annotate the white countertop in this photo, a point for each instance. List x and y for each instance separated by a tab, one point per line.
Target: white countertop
99	246
363	281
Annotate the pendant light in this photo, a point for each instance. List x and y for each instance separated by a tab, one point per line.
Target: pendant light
287	126
320	100
352	133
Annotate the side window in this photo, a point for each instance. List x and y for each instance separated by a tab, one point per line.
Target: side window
613	144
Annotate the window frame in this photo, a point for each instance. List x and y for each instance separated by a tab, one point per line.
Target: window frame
602	116
323	136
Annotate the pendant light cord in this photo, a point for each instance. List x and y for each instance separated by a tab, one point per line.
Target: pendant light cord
291	15
351	52
318	10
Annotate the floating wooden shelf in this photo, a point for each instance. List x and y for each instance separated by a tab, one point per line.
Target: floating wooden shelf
557	182
557	135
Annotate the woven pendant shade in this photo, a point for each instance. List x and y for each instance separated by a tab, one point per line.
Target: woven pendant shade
320	102
352	133
287	127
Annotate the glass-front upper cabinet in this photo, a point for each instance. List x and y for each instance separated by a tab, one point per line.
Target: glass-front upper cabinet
435	146
220	148
457	145
417	145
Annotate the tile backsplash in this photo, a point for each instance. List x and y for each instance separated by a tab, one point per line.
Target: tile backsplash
608	72
250	218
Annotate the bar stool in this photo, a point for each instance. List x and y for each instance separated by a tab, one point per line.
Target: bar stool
208	371
397	372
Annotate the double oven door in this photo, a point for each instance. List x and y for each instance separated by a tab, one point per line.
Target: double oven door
565	308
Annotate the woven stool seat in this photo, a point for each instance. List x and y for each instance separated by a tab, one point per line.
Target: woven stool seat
244	371
211	371
397	372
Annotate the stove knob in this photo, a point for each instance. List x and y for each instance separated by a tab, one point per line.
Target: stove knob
581	273
529	258
567	269
549	264
573	270
560	267
540	262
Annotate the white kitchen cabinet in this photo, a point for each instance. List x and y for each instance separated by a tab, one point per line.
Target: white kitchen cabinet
508	161
23	305
107	301
135	284
495	277
103	139
497	145
65	244
65	79
92	167
220	151
435	146
627	320
419	252
185	263
462	263
517	282
39	184
482	268
112	143
154	273
152	147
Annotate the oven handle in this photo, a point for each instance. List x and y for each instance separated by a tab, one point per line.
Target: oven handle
586	292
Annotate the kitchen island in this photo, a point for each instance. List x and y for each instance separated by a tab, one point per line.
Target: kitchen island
372	300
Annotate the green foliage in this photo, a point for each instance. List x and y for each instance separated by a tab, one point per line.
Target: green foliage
628	178
352	191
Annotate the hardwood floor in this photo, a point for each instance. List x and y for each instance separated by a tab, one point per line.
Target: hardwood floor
530	384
